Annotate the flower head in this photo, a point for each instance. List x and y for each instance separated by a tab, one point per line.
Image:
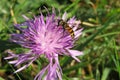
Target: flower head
43	35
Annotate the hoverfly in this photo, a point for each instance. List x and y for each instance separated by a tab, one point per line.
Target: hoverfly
66	27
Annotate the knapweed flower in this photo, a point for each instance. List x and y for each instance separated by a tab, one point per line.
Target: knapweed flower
43	36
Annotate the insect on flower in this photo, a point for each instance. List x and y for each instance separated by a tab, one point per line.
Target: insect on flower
66	27
44	35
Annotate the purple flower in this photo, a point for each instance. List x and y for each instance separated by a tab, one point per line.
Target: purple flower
43	35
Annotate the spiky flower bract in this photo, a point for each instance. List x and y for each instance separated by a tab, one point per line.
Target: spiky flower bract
43	36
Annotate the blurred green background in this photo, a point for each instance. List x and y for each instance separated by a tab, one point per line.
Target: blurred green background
100	40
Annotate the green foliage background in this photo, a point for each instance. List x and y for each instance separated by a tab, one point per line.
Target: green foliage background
100	40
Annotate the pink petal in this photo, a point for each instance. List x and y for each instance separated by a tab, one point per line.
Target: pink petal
25	17
78	33
77	25
13	62
40	74
20	69
75	52
59	75
76	58
10	57
64	17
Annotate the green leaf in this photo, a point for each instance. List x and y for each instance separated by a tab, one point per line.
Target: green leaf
105	73
1	26
1	78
